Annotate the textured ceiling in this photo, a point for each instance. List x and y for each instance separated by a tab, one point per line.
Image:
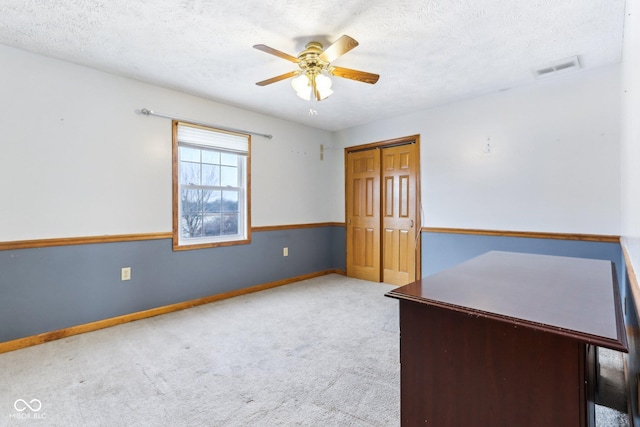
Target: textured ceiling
427	52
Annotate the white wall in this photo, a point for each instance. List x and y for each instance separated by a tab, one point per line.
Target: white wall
553	166
77	161
631	133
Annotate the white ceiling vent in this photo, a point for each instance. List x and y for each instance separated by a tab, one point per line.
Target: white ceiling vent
558	67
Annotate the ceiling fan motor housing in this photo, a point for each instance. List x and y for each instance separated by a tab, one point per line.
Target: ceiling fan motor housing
309	59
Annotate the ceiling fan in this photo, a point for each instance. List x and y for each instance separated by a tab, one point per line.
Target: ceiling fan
315	67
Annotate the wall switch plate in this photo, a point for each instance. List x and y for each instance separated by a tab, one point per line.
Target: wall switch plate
125	273
285	251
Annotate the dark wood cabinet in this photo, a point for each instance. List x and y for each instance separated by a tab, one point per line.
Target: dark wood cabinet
507	339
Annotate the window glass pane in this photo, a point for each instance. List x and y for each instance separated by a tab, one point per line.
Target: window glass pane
211	157
211	175
211	186
229	176
211	200
189	154
229	159
191	201
189	173
191	225
212	225
230	201
229	224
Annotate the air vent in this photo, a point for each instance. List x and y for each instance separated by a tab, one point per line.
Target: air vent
558	67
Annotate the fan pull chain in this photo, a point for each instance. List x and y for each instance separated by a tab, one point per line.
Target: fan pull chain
312	110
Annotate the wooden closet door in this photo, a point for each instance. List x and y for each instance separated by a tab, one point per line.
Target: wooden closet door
363	214
400	228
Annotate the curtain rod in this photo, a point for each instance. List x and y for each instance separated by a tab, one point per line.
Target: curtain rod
148	112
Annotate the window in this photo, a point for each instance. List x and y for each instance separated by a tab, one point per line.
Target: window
210	187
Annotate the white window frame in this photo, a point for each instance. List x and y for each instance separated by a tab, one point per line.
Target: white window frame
215	140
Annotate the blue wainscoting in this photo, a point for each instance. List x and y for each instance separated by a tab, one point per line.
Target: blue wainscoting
52	288
443	250
339	248
633	358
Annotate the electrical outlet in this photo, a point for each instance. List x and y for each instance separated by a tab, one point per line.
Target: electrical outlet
125	273
285	251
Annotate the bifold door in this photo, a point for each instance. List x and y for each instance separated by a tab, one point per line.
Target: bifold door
382	214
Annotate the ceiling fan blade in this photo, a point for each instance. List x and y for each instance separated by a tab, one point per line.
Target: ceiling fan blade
278	78
338	48
360	76
275	52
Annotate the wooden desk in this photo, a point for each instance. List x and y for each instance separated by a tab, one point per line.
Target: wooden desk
507	339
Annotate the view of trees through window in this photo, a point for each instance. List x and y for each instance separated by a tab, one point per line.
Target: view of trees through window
211	187
210	192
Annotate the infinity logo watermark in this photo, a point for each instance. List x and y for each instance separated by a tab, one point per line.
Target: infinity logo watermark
22	405
33	406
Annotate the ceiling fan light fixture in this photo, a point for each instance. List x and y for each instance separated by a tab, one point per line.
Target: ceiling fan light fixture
300	82
323	86
305	94
302	86
312	80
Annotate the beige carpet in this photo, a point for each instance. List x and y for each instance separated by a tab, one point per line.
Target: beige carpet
323	352
612	390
